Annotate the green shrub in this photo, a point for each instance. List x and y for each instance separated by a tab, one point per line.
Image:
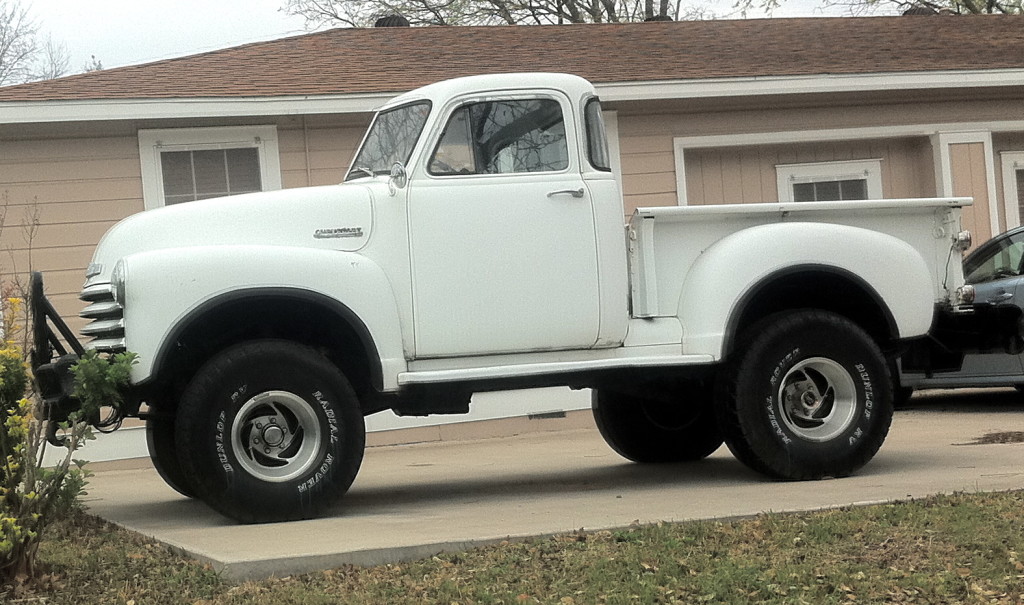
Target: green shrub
32	496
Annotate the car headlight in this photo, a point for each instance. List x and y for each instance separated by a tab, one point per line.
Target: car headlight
964	295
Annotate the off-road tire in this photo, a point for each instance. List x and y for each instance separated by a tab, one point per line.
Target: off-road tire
164	455
797	357
652	430
271	431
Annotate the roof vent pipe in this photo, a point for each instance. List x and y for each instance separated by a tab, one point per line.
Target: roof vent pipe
392	21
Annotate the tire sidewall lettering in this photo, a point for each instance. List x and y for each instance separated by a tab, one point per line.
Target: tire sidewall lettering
333	430
220	441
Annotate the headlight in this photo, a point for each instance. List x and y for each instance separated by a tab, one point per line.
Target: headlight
964	295
117	279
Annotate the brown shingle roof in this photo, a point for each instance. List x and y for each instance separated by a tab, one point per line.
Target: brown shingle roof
344	61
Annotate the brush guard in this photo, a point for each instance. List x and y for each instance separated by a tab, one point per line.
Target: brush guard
51	359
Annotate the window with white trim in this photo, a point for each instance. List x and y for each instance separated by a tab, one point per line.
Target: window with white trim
830	181
187	164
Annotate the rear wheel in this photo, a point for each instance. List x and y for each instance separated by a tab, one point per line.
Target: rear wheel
658	429
271	431
807	395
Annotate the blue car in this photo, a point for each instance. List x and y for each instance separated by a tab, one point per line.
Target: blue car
996	270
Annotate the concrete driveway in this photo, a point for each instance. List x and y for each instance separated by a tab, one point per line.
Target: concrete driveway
416	500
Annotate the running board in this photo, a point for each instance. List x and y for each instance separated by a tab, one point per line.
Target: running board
541	369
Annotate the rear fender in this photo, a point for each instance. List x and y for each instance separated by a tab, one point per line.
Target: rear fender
726	277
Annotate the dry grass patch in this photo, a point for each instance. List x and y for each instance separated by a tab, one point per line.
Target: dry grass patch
965	548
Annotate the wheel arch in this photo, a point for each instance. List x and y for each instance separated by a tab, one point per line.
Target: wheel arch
293	314
822	287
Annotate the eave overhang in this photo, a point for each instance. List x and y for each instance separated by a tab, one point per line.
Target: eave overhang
101	110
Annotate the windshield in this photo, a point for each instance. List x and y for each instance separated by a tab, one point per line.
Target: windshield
391	138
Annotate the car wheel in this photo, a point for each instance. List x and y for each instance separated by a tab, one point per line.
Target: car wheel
807	395
271	431
164	454
645	429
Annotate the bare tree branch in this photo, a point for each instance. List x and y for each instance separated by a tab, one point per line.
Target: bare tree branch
362	13
860	7
53	60
18	44
25	57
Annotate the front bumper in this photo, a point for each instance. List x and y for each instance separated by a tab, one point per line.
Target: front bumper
55	349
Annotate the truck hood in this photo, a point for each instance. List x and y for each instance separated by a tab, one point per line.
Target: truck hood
335	217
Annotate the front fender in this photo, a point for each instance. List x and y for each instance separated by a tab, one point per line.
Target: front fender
730	269
164	287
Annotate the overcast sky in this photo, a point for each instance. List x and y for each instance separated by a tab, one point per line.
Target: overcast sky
124	32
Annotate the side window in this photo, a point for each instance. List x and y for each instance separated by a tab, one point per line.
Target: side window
502	137
597	137
1003	261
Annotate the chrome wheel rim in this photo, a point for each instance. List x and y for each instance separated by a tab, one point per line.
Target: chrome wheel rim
276	436
818	399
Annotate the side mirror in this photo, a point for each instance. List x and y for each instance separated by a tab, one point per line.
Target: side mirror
397	178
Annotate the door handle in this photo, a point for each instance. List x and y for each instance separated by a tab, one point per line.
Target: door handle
1002	296
573	192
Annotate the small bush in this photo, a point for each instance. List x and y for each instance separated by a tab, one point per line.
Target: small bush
31	496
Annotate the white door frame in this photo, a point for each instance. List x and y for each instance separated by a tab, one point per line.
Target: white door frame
1011	161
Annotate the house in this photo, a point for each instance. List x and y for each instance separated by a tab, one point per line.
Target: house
703	112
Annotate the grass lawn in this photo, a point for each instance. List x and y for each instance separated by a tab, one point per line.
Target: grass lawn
965	548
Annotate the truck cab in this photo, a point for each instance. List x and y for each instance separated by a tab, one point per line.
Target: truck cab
509	177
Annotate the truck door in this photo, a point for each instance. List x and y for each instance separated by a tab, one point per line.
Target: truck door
502	238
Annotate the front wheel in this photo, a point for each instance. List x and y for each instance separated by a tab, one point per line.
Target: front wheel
676	428
164	454
808	395
270	431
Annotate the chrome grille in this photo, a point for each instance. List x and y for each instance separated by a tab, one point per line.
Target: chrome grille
107	315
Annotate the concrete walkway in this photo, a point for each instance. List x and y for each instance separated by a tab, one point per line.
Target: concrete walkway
417	500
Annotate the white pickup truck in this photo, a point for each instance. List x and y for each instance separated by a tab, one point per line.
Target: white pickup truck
477	244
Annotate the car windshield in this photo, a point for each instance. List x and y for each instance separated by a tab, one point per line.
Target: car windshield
390	140
1001	258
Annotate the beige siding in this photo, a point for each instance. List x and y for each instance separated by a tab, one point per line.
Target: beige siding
748	174
74	189
648	167
317	156
969	176
647	154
